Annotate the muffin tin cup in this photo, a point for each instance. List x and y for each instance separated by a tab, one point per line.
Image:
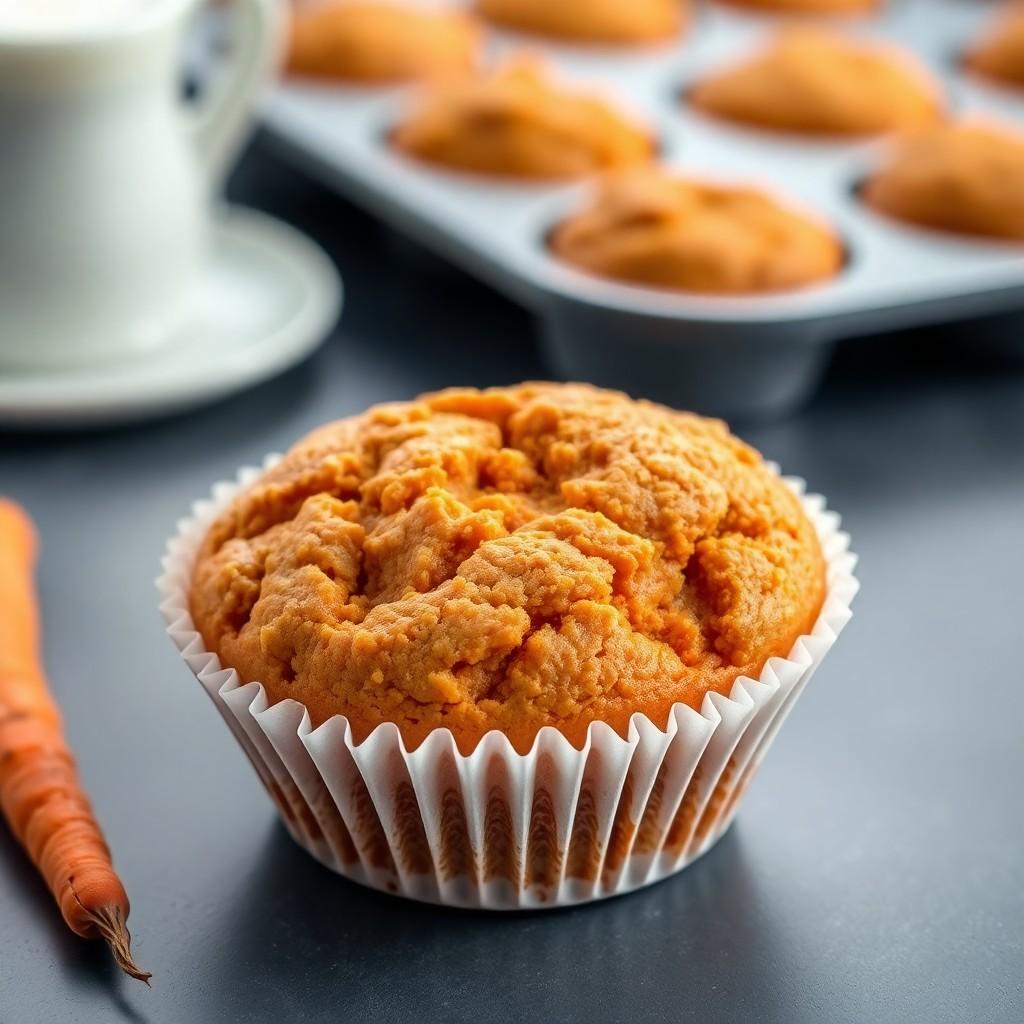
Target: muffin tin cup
496	829
755	356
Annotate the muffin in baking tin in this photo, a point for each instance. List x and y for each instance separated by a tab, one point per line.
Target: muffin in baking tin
963	176
999	53
811	82
652	227
604	22
516	121
377	41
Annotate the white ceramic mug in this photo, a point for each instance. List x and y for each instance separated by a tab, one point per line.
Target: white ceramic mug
107	176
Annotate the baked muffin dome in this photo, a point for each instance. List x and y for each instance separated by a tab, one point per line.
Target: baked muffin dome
1000	52
590	21
508	559
649	227
358	41
821	83
965	176
809	6
514	121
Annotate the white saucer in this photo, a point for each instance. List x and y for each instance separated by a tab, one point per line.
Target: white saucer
268	299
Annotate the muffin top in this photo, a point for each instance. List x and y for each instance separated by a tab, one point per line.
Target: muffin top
817	82
508	559
589	21
964	176
647	227
809	6
1000	53
380	42
514	121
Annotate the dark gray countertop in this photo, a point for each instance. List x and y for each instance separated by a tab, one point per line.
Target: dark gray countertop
876	870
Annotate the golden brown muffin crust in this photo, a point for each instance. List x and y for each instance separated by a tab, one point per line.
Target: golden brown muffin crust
966	177
1000	53
590	21
508	559
514	121
815	82
649	227
378	42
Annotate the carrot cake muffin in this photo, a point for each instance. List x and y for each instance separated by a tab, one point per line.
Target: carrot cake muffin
514	121
808	6
589	21
380	42
1000	53
648	227
820	83
542	555
965	176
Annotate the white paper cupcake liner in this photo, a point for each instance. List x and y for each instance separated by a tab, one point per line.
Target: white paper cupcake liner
497	829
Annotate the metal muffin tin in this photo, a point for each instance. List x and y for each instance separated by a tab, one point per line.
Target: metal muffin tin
748	356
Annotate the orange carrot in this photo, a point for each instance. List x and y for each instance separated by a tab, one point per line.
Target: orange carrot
40	793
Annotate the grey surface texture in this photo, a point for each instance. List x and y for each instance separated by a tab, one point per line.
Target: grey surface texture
876	869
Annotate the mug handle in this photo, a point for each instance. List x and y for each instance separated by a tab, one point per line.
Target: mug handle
255	41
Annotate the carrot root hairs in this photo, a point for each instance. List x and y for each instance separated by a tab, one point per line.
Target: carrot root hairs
110	923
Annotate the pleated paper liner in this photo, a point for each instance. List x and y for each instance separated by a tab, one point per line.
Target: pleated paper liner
497	829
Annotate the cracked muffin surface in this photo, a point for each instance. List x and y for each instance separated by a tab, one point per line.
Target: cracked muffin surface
542	555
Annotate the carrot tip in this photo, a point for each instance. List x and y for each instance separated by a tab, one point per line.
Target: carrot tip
110	923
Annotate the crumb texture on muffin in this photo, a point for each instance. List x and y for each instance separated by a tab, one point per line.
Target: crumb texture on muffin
816	82
589	21
647	226
516	121
962	176
508	559
380	41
